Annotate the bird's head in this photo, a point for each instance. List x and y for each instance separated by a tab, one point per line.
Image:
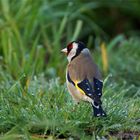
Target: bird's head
73	49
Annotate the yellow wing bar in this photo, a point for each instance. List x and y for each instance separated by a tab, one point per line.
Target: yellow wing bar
76	85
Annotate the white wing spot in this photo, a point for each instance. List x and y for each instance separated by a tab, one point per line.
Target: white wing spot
98	114
96	106
98	88
88	89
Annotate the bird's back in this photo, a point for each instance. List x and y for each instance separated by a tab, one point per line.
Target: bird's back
83	66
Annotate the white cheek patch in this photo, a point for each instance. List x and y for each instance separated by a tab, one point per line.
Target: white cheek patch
75	46
73	51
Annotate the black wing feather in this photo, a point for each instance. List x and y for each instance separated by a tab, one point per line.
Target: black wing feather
88	90
98	85
85	85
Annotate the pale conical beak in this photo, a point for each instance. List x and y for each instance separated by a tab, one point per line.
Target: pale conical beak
64	50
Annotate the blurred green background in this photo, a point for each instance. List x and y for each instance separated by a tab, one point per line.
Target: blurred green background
32	33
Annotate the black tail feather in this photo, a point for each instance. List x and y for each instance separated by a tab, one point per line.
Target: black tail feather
98	110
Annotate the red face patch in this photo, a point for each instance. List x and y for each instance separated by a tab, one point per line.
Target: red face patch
69	47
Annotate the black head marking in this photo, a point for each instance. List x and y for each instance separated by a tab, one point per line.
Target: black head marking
81	46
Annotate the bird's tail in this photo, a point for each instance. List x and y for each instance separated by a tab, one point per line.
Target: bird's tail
98	110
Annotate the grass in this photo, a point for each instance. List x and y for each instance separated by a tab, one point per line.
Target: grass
45	108
42	108
34	101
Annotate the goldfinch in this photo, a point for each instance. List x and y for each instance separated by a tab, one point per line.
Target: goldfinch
83	78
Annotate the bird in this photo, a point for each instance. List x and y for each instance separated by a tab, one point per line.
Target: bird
83	77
